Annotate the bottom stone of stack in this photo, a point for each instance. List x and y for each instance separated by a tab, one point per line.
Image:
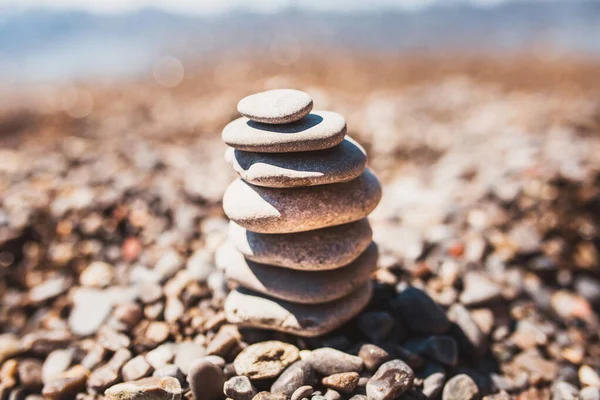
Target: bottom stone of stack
250	309
305	287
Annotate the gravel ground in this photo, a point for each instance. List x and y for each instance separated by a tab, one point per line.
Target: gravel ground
488	283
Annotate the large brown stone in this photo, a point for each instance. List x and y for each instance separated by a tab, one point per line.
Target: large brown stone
306	287
340	163
317	250
317	131
251	309
270	210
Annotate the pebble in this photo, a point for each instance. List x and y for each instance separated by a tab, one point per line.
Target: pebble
376	325
239	388
98	274
589	393
341	163
302	392
433	384
269	210
442	349
319	130
227	337
155	388
68	385
269	396
471	340
171	370
9	346
331	394
478	289
265	360
298	375
564	391
186	353
49	289
373	356
56	364
421	313
30	374
588	376
344	382
91	307
391	380
136	368
303	287
250	309
277	106
328	361
161	355
206	380
321	249
460	387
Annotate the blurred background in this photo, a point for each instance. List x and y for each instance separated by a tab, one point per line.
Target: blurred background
481	117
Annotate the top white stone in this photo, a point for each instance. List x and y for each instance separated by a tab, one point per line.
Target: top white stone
279	106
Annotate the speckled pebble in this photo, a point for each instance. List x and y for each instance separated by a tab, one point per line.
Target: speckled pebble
321	249
268	210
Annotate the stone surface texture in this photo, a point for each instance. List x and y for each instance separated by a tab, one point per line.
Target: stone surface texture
278	106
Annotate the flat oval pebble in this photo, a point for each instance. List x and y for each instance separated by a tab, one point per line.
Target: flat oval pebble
269	210
278	106
251	309
340	163
317	131
317	250
305	287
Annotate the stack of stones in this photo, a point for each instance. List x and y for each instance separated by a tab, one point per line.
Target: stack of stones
300	247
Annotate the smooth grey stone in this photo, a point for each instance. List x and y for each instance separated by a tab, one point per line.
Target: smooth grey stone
251	309
206	380
373	356
317	131
340	163
299	374
304	287
278	106
321	249
328	361
460	387
270	210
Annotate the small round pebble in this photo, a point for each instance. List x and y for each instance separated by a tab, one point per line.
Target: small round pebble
251	309
373	356
340	163
277	106
302	392
391	380
265	360
319	130
268	210
460	387
303	287
315	250
239	388
206	380
344	382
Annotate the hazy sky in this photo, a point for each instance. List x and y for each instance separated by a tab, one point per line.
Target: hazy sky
216	6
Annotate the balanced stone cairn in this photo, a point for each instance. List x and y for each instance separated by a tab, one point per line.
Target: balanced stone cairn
300	247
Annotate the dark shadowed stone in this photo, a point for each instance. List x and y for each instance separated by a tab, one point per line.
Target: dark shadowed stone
442	349
304	287
391	380
421	313
471	340
206	380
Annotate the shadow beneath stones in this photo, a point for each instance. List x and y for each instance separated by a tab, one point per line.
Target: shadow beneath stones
310	121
